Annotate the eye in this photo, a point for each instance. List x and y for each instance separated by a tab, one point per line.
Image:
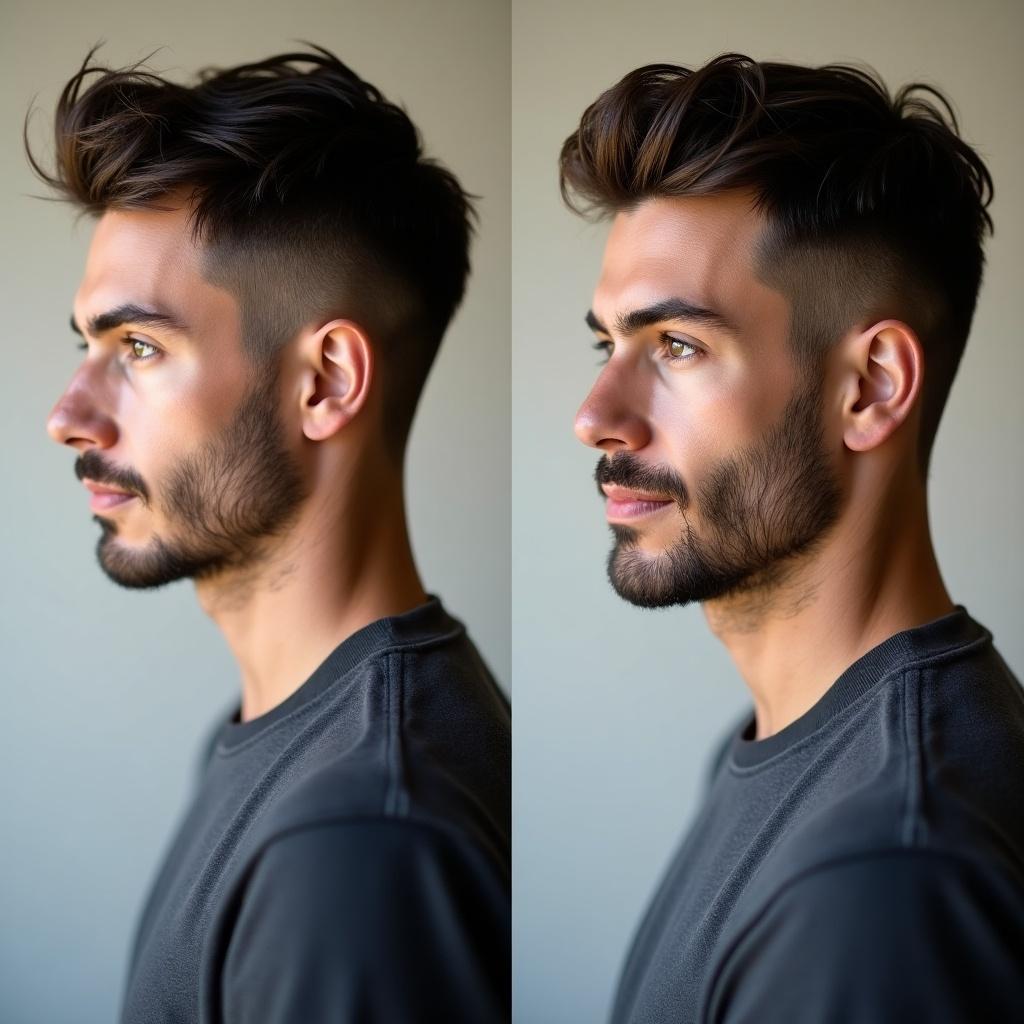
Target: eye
679	349
606	347
131	343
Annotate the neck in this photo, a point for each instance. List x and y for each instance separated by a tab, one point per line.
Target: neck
873	576
345	563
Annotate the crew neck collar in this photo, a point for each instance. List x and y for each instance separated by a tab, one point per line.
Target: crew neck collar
954	630
426	622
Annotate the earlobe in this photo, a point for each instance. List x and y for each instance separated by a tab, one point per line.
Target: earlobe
886	373
339	373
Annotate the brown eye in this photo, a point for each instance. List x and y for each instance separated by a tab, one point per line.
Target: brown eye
679	348
134	344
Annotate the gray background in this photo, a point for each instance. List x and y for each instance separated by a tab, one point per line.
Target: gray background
107	692
616	708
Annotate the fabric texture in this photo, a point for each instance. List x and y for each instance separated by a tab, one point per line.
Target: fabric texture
346	855
863	865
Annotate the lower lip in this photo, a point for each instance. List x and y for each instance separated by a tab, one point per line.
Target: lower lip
106	502
619	510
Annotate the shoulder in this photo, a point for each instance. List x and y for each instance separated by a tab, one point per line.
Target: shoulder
932	765
427	741
900	934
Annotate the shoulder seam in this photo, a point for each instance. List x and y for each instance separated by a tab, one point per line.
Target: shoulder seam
394	804
913	779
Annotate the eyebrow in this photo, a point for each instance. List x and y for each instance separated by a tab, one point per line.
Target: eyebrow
668	309
130	313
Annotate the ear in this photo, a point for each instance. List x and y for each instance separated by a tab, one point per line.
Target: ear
883	374
337	373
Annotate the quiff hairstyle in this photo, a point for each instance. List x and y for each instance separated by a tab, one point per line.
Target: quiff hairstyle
874	205
308	193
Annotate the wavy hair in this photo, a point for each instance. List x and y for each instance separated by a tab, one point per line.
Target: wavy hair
871	201
308	193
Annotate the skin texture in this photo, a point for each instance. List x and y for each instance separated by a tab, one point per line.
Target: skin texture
274	493
761	507
796	512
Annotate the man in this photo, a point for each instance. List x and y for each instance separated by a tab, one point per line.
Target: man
273	268
785	295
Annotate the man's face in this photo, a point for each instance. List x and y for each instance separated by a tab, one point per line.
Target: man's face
174	417
715	468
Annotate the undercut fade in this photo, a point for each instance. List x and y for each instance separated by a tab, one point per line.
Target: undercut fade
874	205
309	195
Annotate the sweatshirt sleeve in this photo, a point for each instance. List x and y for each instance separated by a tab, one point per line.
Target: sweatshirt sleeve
366	921
913	935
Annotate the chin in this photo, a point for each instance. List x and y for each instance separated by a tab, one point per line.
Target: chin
674	577
145	567
643	579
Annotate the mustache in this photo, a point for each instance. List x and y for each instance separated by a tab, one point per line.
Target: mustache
626	470
90	464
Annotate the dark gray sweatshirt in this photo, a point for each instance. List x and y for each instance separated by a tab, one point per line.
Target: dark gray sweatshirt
346	855
863	865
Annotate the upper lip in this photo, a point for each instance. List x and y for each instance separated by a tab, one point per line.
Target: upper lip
617	493
103	488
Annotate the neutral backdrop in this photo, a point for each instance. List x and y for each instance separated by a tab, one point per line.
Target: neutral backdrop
617	708
106	692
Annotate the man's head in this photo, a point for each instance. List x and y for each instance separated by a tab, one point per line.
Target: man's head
309	259
790	247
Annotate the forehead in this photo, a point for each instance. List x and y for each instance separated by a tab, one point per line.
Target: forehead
138	251
147	257
700	248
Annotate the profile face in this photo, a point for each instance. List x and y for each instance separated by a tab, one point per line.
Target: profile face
717	463
172	417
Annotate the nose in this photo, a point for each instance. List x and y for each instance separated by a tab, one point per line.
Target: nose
77	420
612	416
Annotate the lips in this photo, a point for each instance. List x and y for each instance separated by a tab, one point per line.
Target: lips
624	503
96	488
106	498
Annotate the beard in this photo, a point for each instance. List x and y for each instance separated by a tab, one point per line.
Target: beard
241	488
759	509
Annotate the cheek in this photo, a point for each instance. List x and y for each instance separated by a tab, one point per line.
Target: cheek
173	411
698	415
684	420
214	387
754	406
714	412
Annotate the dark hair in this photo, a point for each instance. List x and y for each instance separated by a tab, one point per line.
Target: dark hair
871	202
309	195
